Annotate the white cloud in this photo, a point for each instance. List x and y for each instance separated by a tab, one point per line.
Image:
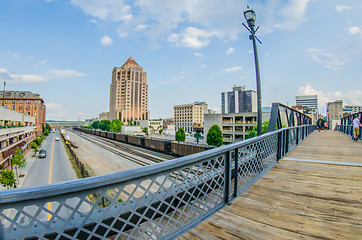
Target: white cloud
106	41
56	73
5	75
328	60
122	33
165	20
341	8
233	69
192	37
53	106
350	97
114	10
140	27
44	61
230	51
354	30
197	54
280	15
203	66
216	109
184	88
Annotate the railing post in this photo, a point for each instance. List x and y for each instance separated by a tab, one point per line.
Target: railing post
2	232
279	146
236	170
227	171
297	136
287	141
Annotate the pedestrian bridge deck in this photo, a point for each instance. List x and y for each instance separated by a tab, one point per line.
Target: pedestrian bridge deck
314	192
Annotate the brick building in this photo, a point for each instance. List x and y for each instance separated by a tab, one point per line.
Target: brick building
28	103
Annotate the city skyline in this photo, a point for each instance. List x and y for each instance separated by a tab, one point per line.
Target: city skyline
192	51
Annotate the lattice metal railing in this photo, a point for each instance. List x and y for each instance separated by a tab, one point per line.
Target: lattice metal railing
154	202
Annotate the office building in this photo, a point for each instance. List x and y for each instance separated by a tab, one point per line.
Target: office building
334	112
309	112
190	116
129	93
310	101
28	103
353	109
239	100
153	126
235	126
103	116
17	130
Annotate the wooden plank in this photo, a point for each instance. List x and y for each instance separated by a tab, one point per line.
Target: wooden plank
298	200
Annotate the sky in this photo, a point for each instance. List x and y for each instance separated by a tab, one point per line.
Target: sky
65	50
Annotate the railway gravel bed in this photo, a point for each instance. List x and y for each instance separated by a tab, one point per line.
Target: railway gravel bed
106	156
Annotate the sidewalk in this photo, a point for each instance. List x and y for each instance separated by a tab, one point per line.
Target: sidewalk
30	159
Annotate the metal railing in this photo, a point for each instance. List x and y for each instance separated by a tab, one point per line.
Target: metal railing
159	201
346	125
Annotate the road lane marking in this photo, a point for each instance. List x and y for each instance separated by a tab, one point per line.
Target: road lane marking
50	179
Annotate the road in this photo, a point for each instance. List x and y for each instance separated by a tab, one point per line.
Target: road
56	167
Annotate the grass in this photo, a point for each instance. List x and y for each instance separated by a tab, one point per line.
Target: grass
72	161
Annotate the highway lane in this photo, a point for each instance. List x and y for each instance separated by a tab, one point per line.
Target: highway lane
56	167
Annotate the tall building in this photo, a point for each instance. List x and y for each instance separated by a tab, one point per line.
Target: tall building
129	93
334	112
26	102
238	100
310	101
190	116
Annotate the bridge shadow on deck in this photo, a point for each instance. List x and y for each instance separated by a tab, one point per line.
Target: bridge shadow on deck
314	192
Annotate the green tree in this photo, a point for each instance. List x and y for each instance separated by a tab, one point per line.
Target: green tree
145	130
197	135
7	178
116	125
95	124
264	129
130	122
160	131
214	136
34	146
18	161
180	135
38	141
46	132
104	124
47	126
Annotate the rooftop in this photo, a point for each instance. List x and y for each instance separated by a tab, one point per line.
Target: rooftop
20	94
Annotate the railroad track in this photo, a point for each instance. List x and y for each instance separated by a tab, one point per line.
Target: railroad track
147	154
122	149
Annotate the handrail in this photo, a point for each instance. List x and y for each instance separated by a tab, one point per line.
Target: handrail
348	129
186	190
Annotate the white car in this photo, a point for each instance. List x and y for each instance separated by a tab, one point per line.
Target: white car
57	139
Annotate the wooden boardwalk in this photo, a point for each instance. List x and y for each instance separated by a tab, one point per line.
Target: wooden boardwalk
315	192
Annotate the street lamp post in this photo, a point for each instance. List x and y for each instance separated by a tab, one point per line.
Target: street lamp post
250	18
3	94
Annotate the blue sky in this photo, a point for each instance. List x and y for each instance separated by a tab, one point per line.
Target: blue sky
65	50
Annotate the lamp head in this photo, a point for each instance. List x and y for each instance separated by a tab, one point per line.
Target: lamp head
250	17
